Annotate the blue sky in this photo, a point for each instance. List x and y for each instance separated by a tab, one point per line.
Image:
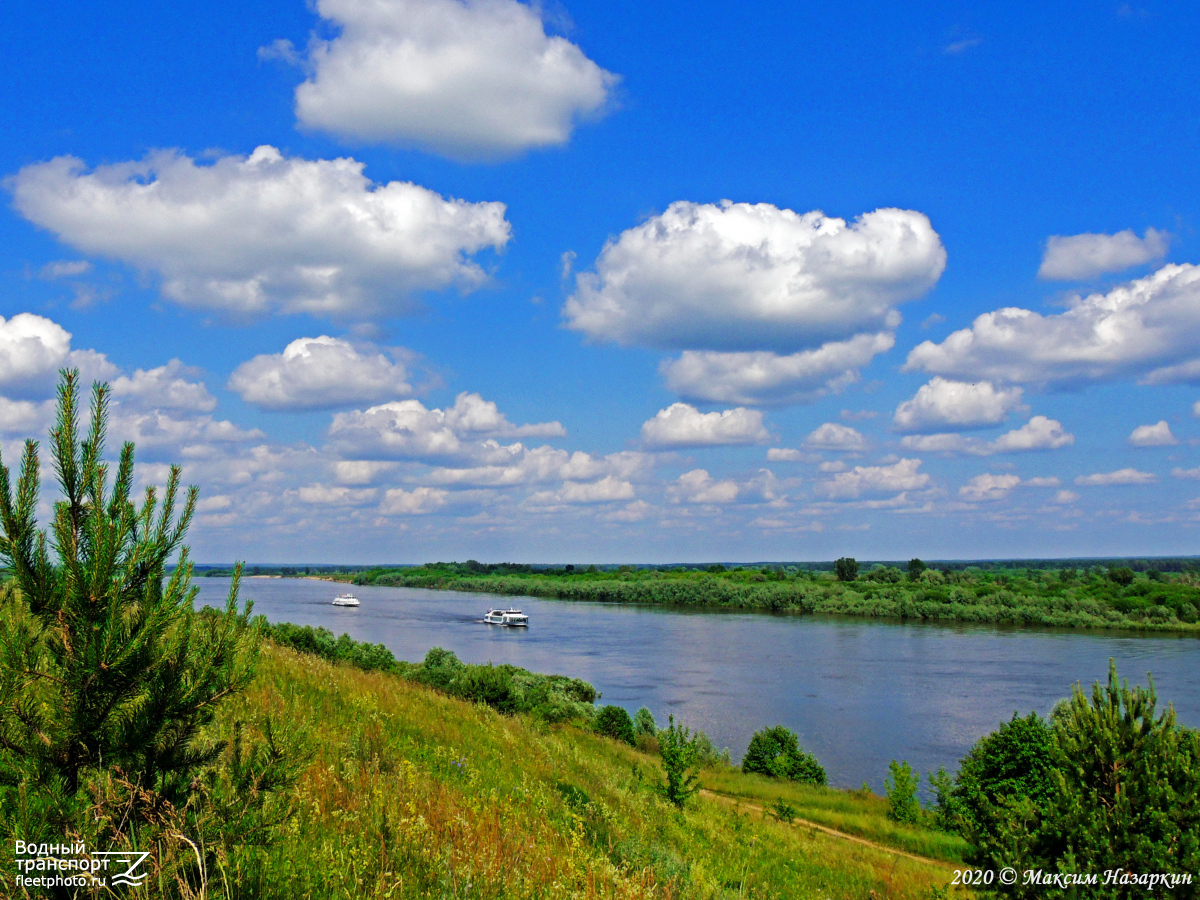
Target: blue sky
424	279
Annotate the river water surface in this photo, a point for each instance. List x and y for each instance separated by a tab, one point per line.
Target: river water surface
858	692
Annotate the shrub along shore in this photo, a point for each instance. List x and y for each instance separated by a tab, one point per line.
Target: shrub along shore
1097	597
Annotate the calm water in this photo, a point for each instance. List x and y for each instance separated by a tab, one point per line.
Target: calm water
859	693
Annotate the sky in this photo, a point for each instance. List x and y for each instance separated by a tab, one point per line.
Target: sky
415	280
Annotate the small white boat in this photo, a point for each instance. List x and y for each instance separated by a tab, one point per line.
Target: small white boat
345	600
510	616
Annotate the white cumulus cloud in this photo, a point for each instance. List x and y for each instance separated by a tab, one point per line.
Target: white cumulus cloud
34	348
1039	433
25	418
765	378
832	436
988	487
697	486
514	464
681	425
901	475
406	429
607	490
740	276
419	501
1148	328
468	80
164	387
251	235
319	373
942	405
1156	435
360	471
335	495
1119	477
1081	257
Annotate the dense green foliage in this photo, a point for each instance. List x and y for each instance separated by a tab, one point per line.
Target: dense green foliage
1012	762
846	568
1106	784
643	722
321	642
1067	597
614	722
776	752
110	680
900	788
507	689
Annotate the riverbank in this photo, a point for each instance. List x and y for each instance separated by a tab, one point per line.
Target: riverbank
1091	599
413	793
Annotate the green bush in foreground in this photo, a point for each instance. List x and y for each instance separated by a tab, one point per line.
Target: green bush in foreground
777	752
614	722
643	722
680	762
1014	761
1124	793
900	787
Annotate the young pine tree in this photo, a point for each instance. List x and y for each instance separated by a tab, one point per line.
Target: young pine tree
104	665
680	762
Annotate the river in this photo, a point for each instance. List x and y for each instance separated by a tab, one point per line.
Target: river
858	692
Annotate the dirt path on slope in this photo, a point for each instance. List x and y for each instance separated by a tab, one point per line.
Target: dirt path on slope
808	823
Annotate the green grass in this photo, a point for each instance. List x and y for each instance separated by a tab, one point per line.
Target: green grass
854	812
412	793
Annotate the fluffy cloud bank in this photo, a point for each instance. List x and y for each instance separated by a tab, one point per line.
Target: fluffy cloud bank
740	276
319	373
832	436
697	486
764	378
608	489
681	425
163	410
1039	433
406	429
251	235
943	404
1156	435
1148	327
470	79
1081	257
33	349
988	487
900	476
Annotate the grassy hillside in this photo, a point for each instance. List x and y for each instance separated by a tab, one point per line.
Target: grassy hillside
411	793
1098	597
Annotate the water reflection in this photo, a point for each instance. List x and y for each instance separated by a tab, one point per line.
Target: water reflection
858	693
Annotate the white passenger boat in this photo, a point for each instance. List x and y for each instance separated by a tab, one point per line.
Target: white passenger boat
345	600
510	616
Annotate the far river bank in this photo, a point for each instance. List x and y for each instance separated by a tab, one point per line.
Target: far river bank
859	692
